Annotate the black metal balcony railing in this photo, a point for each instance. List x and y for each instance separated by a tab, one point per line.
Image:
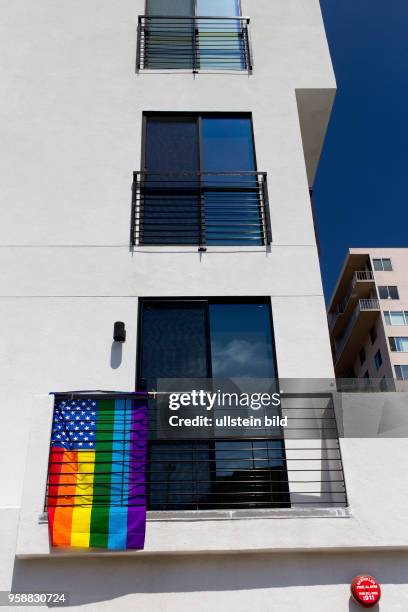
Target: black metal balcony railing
194	43
201	208
302	469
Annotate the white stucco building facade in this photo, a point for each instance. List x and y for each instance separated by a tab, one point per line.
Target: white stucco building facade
71	119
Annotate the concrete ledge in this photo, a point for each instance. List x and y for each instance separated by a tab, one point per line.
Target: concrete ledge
234	515
228	515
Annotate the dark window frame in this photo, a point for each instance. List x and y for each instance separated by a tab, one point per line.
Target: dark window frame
390	290
394	343
381	267
388	317
183	299
399	372
198	115
140	383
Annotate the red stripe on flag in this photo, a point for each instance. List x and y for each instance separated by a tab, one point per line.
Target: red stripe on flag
62	479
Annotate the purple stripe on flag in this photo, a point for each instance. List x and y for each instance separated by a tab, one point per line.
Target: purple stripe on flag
136	519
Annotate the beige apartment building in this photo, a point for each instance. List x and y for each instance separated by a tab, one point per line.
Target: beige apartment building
368	316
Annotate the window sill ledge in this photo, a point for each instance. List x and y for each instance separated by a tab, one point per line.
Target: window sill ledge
229	515
258	513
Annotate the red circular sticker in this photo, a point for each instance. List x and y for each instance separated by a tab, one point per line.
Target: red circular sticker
366	590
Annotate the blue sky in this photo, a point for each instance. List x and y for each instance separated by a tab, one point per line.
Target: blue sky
361	189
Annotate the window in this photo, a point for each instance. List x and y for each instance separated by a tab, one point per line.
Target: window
373	334
190	8
206	338
382	265
401	372
388	292
399	344
195	35
199	183
362	355
378	359
396	317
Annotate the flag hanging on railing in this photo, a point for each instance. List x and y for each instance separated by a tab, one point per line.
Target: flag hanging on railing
96	496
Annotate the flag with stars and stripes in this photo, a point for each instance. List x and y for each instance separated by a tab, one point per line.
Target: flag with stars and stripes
96	495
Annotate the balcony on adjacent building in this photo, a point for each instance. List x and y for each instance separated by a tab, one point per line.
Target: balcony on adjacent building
200	208
361	287
359	324
193	43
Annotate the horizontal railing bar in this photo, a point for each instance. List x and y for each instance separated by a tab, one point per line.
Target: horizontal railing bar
194	18
236	462
179	448
208	494
259	482
149	397
195	500
199	173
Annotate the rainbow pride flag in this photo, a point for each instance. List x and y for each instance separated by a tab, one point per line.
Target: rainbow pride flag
96	496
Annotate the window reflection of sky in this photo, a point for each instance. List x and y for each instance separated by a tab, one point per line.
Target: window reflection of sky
241	341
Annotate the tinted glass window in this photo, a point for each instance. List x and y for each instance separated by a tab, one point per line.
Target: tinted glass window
218	8
169	43
220	42
393	291
170	198
174	341
388	292
396	317
166	7
401	372
401	344
233	216
171	144
241	341
227	144
382	265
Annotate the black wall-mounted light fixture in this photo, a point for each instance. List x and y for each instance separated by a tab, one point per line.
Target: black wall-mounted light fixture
119	332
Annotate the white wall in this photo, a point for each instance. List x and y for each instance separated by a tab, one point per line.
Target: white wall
241	583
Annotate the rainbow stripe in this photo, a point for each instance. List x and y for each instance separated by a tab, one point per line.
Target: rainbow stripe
96	478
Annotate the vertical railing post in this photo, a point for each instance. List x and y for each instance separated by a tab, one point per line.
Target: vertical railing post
202	239
133	211
139	43
267	214
249	47
195	46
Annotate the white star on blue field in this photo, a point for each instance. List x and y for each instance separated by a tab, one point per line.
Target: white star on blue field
74	424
